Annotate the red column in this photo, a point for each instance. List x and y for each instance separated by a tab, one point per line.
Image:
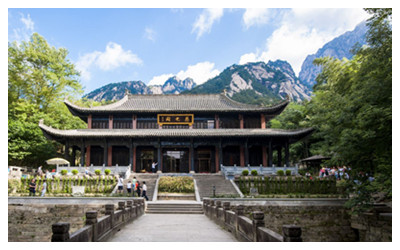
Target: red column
89	121
216	121
134	159
242	156
264	155
109	156
87	155
110	122
134	122
241	120
263	121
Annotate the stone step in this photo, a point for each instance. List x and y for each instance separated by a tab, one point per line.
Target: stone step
174	212
174	208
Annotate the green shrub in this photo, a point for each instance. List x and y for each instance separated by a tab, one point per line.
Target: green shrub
176	184
107	171
64	172
288	172
254	172
245	172
74	172
97	171
280	172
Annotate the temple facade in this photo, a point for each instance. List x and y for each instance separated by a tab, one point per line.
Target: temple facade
181	133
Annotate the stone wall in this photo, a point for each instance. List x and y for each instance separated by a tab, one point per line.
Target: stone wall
321	220
30	219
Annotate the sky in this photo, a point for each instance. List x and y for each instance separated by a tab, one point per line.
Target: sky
151	45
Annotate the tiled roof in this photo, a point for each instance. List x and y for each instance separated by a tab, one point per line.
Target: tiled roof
160	133
177	104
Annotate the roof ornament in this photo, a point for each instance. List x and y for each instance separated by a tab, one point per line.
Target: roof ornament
126	91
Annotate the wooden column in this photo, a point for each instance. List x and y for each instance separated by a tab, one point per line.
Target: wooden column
134	121
216	121
109	156
134	158
105	156
82	153
263	126
110	122
89	121
246	154
242	163
88	155
66	151
131	155
241	120
264	156
191	155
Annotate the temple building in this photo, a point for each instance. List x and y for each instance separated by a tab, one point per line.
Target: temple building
182	133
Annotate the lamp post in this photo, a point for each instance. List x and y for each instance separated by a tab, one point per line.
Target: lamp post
214	191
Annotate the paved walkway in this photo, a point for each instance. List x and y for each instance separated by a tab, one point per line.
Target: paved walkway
172	228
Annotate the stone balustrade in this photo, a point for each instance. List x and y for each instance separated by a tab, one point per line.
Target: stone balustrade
100	229
245	229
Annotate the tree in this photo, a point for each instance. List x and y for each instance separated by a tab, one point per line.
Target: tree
39	78
352	110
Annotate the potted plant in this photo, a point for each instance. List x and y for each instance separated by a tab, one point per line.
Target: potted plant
288	172
245	172
64	172
107	171
254	172
74	172
280	172
97	171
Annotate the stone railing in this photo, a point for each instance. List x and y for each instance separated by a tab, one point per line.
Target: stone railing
114	169
245	229
230	171
100	229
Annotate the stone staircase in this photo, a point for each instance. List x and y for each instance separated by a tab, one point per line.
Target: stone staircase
150	180
205	183
174	208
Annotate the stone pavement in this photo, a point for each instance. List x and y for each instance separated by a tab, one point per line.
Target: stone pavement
172	228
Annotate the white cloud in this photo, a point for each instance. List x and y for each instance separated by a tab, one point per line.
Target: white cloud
199	72
113	57
303	32
29	24
205	21
256	17
150	34
24	29
160	80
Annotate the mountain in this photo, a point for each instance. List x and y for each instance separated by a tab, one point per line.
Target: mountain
340	48
116	91
256	82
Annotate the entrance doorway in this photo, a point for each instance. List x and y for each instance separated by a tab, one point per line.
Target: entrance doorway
175	161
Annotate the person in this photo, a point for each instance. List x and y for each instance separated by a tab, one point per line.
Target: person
134	181
308	175
44	188
144	190
153	167
138	188
32	187
129	187
120	185
40	172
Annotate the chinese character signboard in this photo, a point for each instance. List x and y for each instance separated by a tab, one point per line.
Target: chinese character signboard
167	119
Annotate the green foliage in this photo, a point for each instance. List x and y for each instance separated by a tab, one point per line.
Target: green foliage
245	172
254	172
352	110
97	171
107	171
64	172
288	172
280	172
74	171
39	78
176	184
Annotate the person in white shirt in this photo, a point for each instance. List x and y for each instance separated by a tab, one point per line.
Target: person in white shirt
129	187
120	185
44	187
153	167
144	190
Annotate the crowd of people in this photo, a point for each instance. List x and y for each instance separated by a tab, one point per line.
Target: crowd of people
133	188
340	173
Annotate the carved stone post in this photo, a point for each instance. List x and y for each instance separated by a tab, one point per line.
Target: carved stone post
91	219
110	211
239	212
60	232
291	233
258	221
136	205
226	206
129	207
